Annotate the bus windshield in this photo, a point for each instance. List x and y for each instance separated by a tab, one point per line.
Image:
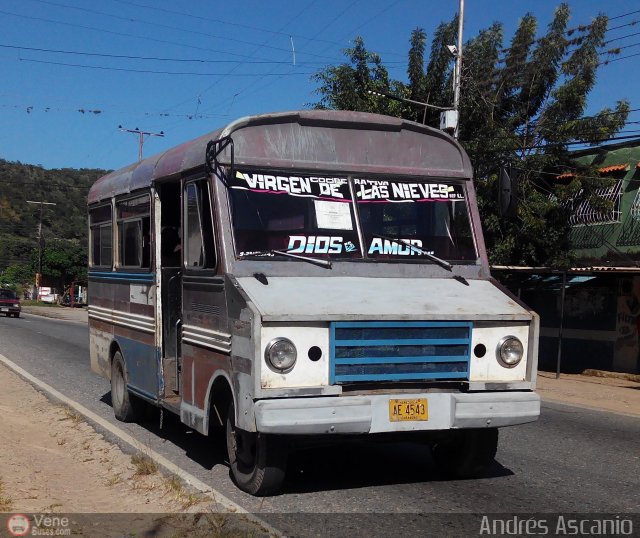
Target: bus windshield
315	216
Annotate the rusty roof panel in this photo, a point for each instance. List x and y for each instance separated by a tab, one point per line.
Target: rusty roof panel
323	140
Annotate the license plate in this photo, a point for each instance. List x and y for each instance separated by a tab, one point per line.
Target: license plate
3	309
401	410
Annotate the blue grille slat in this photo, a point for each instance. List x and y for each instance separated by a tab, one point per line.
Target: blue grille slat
403	377
403	360
373	351
407	342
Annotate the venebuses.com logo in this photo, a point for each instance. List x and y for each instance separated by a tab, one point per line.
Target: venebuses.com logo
38	525
18	525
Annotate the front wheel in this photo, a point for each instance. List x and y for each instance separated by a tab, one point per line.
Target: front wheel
466	453
258	461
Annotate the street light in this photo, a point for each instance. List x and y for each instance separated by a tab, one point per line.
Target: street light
411	101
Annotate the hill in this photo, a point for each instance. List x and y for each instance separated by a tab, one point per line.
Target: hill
62	223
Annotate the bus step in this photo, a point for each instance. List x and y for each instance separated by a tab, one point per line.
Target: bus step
170	379
172	403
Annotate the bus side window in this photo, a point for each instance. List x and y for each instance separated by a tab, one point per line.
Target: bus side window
134	227
198	228
100	236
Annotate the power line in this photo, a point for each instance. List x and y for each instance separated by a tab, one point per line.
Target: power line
191	31
198	96
229	23
607	62
619	38
154	58
560	144
124	34
624	15
632	23
155	72
30	109
338	16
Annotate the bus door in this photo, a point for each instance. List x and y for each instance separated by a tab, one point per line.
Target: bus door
204	331
171	270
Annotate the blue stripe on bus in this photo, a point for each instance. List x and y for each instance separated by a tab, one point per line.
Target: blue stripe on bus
112	275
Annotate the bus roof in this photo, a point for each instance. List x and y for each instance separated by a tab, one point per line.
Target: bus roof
340	142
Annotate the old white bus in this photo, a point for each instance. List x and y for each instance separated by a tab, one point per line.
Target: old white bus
307	275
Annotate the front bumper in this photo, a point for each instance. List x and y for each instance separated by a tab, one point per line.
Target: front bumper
370	413
9	309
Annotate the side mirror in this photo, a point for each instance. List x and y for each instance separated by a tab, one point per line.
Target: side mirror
508	192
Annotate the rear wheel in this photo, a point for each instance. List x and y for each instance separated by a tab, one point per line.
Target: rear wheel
258	461
466	453
125	406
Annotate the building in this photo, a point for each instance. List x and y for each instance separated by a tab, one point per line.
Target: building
590	314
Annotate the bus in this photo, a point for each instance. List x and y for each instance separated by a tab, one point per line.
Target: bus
308	276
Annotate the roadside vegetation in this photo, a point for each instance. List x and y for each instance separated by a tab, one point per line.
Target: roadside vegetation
63	241
6	502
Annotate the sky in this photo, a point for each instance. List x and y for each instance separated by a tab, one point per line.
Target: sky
74	72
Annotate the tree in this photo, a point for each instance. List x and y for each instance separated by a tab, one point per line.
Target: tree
347	86
17	277
522	105
63	262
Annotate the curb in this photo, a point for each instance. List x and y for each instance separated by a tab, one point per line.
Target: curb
547	399
168	465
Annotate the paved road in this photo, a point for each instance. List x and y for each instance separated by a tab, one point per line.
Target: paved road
571	460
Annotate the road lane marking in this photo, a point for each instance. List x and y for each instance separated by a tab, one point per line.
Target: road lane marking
198	484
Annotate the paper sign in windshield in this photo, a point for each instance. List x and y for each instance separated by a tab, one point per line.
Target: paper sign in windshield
333	215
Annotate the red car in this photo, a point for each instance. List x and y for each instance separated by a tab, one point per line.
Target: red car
9	303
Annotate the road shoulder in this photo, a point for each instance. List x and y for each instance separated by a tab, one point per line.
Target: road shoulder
54	462
598	393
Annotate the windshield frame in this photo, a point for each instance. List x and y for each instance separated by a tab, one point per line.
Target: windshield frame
465	184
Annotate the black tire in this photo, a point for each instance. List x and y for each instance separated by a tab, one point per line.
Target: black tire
124	405
466	453
258	461
16	315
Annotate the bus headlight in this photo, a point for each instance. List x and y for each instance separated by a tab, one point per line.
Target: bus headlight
281	355
510	351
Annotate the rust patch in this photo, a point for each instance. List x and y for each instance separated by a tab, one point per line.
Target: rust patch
241	365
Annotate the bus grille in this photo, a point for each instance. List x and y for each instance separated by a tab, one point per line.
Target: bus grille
399	351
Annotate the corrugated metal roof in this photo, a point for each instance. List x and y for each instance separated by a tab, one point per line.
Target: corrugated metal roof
323	140
602	170
614	168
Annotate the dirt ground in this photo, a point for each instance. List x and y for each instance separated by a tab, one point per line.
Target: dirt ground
53	462
603	393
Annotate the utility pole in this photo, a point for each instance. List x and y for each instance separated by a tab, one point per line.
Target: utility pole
458	69
39	273
141	135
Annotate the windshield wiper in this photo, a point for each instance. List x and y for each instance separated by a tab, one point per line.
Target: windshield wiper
322	263
439	261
